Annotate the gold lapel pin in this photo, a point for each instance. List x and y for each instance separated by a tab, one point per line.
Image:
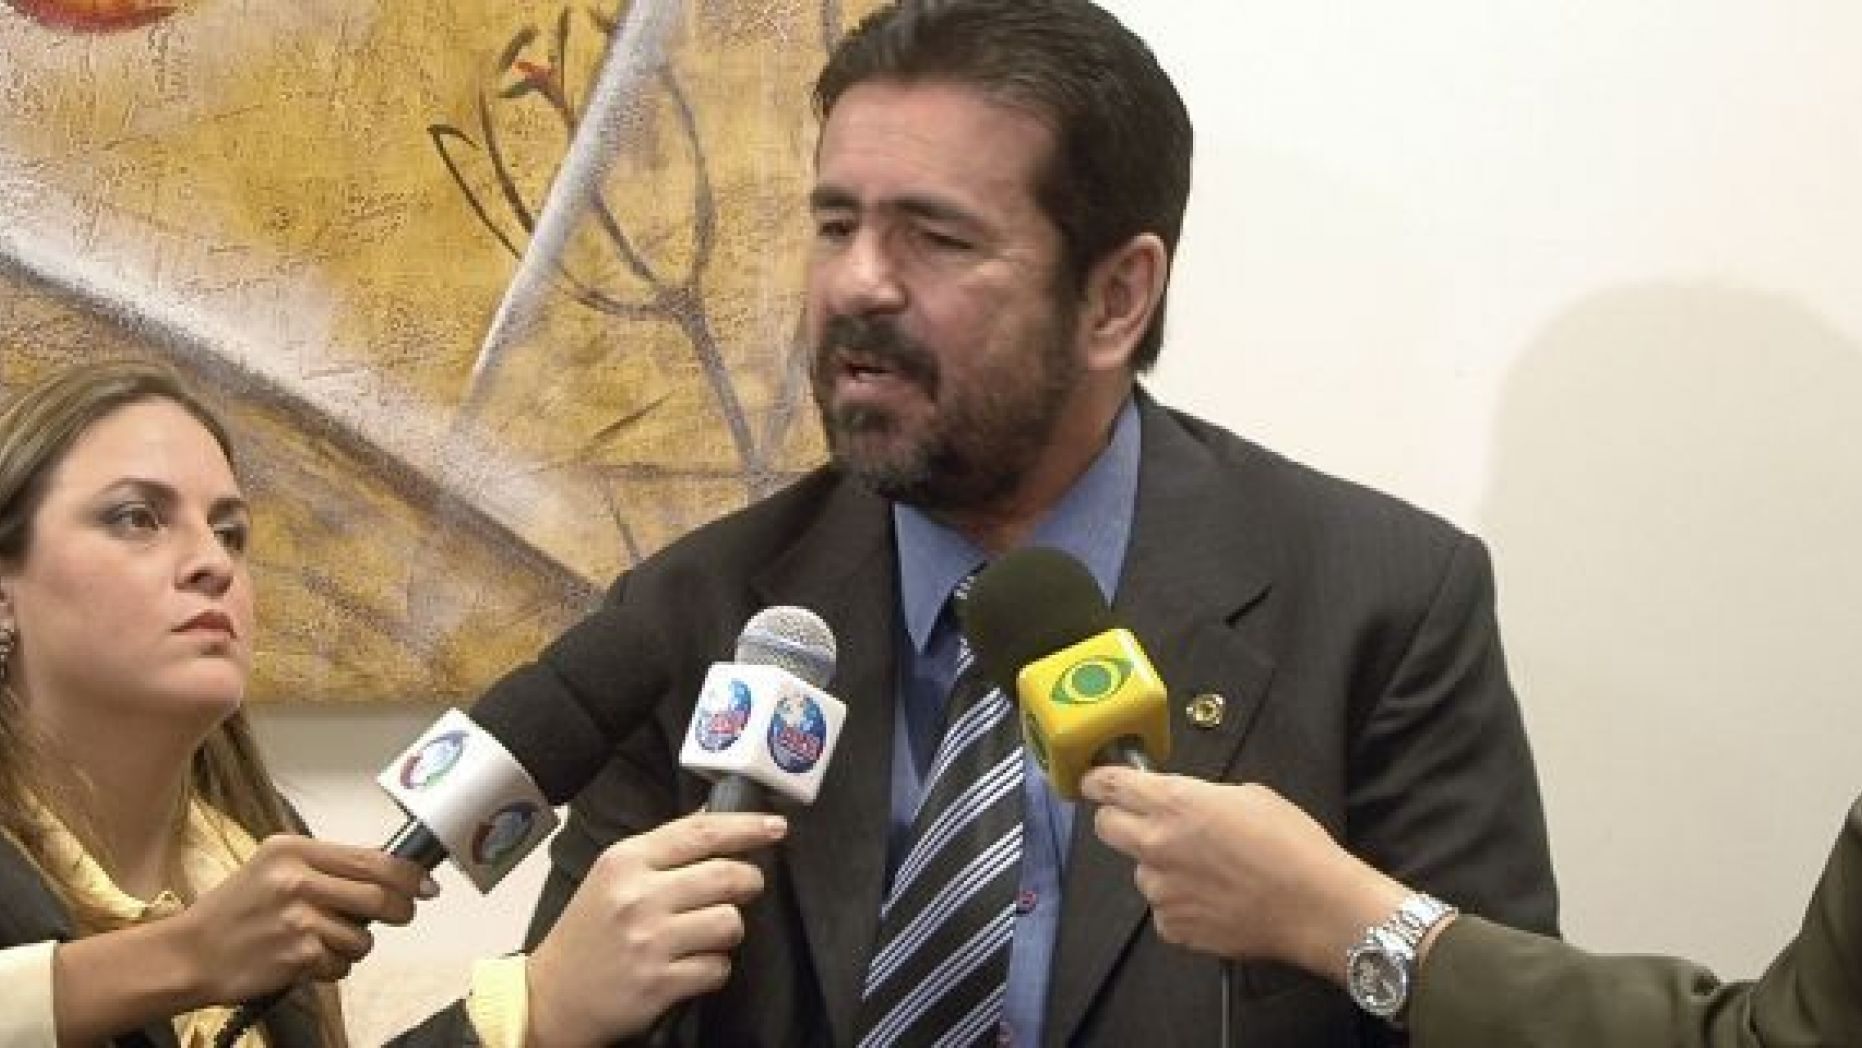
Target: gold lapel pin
1206	710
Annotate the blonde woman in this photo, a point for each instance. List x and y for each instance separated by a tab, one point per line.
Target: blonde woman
130	788
150	876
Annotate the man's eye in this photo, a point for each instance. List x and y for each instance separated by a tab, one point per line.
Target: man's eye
833	229
944	241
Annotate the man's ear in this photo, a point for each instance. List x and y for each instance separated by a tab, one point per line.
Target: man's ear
1122	295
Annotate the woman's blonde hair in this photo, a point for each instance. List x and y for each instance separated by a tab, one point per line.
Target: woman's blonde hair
38	427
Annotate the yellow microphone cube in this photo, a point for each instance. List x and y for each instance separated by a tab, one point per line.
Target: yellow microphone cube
1081	698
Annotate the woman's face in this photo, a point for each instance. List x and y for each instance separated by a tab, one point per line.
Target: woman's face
133	598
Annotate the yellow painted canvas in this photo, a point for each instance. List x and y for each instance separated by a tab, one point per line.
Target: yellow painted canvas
499	297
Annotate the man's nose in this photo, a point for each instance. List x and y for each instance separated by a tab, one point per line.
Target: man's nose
866	277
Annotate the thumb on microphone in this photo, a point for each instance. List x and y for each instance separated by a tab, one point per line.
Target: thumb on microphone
653	924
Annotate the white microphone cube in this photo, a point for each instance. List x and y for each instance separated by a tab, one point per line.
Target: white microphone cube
461	783
766	724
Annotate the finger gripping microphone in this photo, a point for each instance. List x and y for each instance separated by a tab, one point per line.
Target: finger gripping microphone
482	789
1089	695
762	724
468	798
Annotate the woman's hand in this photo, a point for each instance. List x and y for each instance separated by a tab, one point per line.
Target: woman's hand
294	911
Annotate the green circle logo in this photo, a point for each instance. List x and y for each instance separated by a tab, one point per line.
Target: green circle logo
1091	680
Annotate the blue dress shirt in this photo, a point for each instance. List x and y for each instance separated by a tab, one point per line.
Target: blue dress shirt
1093	523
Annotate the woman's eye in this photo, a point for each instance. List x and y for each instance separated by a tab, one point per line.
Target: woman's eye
135	518
234	537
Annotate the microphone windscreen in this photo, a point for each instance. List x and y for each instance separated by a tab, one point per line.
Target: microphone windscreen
1027	604
790	638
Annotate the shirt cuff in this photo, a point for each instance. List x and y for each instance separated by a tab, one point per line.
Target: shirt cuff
498	1002
26	1016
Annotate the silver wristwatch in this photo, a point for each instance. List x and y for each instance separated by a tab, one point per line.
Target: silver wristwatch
1381	967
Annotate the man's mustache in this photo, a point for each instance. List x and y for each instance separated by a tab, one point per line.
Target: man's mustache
879	341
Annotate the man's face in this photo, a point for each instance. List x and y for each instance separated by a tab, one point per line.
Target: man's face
944	342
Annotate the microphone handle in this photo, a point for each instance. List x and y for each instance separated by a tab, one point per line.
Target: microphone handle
737	793
413	842
730	793
1127	750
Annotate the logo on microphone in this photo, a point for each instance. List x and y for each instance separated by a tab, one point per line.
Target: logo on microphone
508	828
797	733
431	762
721	715
1093	679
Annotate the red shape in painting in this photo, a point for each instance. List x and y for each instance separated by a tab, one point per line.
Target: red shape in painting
94	16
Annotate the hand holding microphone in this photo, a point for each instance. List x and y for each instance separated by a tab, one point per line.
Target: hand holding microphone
1088	694
467	795
489	782
482	789
1237	871
654	922
652	925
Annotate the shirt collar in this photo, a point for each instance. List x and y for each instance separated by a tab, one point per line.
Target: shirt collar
1092	521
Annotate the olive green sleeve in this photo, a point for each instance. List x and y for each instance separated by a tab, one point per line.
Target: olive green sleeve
1483	984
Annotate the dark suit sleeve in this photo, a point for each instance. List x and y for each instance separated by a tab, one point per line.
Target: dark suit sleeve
629	796
1443	793
634	791
1483	984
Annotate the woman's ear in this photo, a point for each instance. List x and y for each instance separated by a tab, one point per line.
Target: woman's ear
9	626
1122	295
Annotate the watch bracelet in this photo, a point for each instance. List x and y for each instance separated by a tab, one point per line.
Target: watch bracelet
1414	916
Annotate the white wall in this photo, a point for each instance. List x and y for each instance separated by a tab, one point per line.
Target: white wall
1585	278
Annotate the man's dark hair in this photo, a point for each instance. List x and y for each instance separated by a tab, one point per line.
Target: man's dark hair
1121	163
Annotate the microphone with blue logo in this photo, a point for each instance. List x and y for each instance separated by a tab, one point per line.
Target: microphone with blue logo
763	725
466	798
1088	694
763	728
482	789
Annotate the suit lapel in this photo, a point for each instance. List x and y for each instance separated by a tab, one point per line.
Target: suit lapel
1194	566
843	568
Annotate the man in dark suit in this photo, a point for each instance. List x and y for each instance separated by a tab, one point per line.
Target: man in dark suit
1000	186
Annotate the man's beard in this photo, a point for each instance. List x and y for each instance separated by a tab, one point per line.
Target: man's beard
980	440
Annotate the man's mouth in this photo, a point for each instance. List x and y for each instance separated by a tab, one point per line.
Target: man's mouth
863	366
860	351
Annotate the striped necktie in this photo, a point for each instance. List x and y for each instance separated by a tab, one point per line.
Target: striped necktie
941	963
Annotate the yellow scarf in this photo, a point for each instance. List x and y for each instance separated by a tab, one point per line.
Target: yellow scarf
215	847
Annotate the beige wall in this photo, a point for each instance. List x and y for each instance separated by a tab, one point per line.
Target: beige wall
1585	278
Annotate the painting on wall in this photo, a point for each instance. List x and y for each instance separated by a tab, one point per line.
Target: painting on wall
499	297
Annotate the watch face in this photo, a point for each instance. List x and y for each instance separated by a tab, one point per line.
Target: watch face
1378	981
